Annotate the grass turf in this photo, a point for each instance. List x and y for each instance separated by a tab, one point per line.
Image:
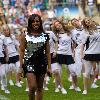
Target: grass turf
20	94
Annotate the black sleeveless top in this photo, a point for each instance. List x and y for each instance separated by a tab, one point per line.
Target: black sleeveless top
35	59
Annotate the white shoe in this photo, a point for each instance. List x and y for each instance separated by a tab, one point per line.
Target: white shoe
71	87
11	82
18	84
77	89
57	90
94	86
7	91
27	89
84	92
63	91
2	87
45	88
21	82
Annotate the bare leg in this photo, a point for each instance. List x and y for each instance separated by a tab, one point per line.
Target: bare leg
39	91
31	78
74	81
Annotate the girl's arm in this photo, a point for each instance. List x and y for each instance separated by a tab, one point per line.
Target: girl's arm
48	55
56	45
6	53
56	48
82	51
73	46
22	47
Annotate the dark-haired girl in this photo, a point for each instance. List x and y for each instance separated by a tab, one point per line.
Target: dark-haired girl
36	56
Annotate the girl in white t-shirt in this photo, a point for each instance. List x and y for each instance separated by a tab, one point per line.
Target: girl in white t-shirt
53	48
77	36
3	66
91	52
12	53
65	51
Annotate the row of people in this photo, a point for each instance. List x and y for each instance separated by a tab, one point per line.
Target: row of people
69	51
66	47
9	58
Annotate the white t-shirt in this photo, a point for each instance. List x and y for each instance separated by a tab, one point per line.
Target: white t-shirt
90	2
64	46
11	44
1	45
94	44
78	36
52	41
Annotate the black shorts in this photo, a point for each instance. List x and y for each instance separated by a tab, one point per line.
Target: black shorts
65	59
37	70
36	65
53	59
2	60
13	59
92	57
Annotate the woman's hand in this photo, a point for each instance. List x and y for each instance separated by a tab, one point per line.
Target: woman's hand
49	73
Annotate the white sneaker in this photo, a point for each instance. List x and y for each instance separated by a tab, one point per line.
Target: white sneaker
94	86
11	82
21	82
27	89
2	87
77	89
84	92
7	91
57	90
18	84
71	87
45	88
63	91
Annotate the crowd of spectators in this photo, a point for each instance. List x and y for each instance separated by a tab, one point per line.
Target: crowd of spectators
17	11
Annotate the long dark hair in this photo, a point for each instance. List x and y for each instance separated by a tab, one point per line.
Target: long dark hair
30	20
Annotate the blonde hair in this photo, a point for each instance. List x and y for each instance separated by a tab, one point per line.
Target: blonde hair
5	26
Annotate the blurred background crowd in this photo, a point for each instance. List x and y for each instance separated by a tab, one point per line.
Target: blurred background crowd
16	12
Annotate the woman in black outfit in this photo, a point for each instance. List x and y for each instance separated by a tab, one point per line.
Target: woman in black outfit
36	56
